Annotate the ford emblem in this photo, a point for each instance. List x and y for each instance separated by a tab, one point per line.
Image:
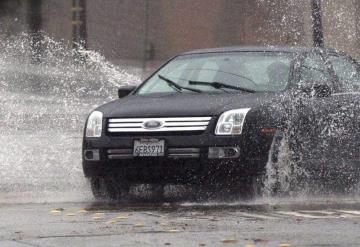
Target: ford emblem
152	124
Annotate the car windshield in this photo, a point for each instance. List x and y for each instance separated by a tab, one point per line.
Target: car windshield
242	71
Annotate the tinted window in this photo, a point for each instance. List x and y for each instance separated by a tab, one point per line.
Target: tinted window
347	73
259	71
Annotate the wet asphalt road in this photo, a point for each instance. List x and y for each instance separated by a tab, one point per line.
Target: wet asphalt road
146	224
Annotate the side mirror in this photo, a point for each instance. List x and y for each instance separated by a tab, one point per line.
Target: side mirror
322	90
313	89
125	90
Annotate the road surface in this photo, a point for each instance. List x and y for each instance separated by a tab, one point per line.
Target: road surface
214	224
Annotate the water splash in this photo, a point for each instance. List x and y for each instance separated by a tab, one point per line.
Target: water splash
43	108
282	171
60	70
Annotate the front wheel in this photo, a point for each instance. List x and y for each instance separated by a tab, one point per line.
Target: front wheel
109	188
281	169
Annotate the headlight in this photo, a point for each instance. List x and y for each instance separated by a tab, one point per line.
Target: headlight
94	124
231	122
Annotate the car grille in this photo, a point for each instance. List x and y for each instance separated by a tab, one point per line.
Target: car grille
174	124
175	153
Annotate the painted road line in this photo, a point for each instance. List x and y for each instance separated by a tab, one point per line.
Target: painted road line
256	216
351	212
307	215
316	212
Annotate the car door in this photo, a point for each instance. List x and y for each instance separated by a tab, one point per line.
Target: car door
347	103
321	119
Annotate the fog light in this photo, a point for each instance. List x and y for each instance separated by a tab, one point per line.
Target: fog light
223	152
92	154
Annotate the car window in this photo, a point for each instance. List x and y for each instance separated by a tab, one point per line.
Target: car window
204	71
163	87
258	71
314	70
347	73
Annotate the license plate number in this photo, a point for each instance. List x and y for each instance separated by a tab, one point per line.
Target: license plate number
149	147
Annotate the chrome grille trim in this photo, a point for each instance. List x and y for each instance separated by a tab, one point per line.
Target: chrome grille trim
170	129
174	119
174	153
166	124
123	125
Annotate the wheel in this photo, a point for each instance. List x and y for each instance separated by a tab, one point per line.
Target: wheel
256	186
98	188
157	192
228	189
204	190
108	188
247	188
281	169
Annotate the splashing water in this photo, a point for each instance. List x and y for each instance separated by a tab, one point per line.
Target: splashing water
285	177
282	170
43	109
60	70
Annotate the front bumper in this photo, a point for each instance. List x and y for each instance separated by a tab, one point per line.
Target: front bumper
251	160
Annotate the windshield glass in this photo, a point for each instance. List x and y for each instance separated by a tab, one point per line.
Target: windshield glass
257	71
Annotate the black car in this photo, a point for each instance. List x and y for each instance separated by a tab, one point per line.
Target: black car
229	116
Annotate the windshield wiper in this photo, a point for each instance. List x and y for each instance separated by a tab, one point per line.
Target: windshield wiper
177	86
219	85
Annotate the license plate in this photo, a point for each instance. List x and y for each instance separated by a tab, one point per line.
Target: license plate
149	147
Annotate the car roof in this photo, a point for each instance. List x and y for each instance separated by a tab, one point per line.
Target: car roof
295	49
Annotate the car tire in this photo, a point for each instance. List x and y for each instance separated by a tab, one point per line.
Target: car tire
281	171
157	192
256	186
109	188
229	190
206	190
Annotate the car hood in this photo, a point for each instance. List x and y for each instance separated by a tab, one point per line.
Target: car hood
185	104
